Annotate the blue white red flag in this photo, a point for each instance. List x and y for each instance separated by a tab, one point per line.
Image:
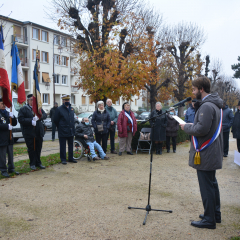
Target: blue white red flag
17	75
37	103
4	81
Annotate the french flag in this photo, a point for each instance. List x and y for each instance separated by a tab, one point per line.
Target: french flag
4	81
17	75
37	103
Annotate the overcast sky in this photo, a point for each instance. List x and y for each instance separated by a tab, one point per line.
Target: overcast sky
220	20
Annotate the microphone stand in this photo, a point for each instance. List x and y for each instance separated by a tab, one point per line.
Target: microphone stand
148	207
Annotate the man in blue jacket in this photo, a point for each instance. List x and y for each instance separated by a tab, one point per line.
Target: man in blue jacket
226	125
64	119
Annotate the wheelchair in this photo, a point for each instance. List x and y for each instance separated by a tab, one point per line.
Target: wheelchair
80	149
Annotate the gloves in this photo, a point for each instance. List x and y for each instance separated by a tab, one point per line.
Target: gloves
11	115
35	118
9	127
33	123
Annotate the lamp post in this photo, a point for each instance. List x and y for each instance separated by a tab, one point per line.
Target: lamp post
60	51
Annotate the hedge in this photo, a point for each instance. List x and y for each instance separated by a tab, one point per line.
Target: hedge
182	136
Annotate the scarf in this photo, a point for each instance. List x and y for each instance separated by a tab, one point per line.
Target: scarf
197	159
101	111
127	114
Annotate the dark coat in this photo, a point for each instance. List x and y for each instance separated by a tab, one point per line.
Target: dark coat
25	117
52	112
83	129
64	119
113	115
172	127
227	119
4	132
99	118
122	124
206	121
190	114
159	131
236	125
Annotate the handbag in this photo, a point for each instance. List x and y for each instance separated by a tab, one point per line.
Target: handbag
145	136
100	128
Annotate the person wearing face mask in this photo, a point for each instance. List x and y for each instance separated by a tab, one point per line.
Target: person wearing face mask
84	130
32	128
171	130
64	119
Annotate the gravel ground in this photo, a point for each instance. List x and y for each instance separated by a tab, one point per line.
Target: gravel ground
89	200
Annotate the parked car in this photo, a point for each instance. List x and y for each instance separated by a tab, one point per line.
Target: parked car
136	116
85	114
144	115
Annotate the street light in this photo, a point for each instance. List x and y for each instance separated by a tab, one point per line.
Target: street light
60	49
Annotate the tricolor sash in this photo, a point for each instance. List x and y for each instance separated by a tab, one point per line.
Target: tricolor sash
128	116
197	159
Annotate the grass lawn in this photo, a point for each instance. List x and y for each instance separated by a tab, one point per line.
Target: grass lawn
19	150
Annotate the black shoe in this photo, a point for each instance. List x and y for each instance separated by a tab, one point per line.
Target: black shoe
41	166
64	163
5	174
12	171
218	220
53	140
114	152
33	167
73	161
168	151
120	153
203	224
174	151
225	155
129	153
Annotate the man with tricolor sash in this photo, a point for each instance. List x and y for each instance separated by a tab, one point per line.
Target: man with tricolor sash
206	152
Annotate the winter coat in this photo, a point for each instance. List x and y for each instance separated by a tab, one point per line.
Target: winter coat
236	125
113	115
25	117
159	131
99	118
190	114
52	112
64	119
4	132
83	129
206	122
122	124
227	119
172	127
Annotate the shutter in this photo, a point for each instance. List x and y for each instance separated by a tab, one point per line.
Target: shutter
32	32
32	54
67	61
41	35
39	77
47	37
48	98
38	34
47	58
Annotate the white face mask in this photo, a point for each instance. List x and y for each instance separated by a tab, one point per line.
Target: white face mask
171	113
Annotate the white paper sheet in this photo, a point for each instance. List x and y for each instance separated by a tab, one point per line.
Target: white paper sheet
237	157
178	119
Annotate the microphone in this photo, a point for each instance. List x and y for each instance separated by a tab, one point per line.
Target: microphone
182	102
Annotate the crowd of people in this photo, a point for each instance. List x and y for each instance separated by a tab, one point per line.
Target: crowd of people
208	122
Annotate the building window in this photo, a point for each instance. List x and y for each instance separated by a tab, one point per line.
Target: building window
63	42
44	36
57	77
46	98
73	99
45	57
35	34
64	61
56	39
34	54
56	59
83	100
64	79
45	77
117	102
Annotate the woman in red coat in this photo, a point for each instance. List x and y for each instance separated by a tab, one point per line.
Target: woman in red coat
127	126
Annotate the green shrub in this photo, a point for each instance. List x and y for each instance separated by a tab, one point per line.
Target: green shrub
182	136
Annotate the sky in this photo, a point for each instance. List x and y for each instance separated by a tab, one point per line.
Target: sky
220	20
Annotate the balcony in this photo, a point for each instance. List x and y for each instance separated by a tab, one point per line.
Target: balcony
24	62
20	39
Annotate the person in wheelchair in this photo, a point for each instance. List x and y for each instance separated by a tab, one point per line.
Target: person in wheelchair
84	131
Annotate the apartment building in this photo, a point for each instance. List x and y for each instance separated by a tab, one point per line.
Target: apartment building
56	55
